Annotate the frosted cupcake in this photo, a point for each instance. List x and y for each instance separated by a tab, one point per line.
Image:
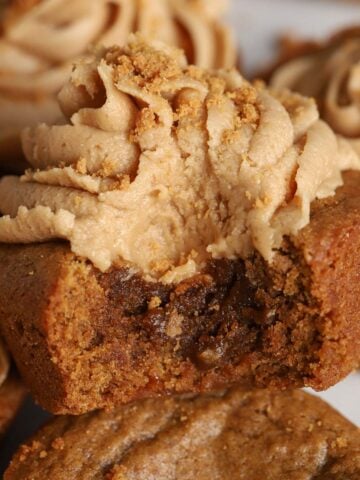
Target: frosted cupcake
184	230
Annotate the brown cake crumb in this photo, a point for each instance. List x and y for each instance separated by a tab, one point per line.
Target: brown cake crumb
58	444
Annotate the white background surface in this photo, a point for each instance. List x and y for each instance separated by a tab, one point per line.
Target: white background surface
257	24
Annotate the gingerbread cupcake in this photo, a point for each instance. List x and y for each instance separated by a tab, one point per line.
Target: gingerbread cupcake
172	236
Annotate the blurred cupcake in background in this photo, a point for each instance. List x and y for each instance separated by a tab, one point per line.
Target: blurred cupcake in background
40	39
329	72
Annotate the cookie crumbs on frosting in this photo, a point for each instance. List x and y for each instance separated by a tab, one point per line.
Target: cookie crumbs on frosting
163	166
148	67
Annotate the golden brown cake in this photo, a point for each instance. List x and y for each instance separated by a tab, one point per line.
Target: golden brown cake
201	250
233	435
12	395
329	72
40	40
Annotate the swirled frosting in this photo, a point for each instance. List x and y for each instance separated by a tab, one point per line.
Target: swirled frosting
331	74
163	166
40	39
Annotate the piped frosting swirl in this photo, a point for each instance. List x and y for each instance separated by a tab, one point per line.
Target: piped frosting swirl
331	74
163	166
40	40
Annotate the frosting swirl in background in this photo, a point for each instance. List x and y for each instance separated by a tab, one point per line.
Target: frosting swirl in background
331	74
40	39
163	166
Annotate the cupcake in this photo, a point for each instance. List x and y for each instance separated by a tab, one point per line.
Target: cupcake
172	237
329	72
40	40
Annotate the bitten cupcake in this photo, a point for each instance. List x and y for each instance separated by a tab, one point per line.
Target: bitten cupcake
40	39
4	364
329	72
172	236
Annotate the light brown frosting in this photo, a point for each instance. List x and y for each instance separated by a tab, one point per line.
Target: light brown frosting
41	39
164	165
330	74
